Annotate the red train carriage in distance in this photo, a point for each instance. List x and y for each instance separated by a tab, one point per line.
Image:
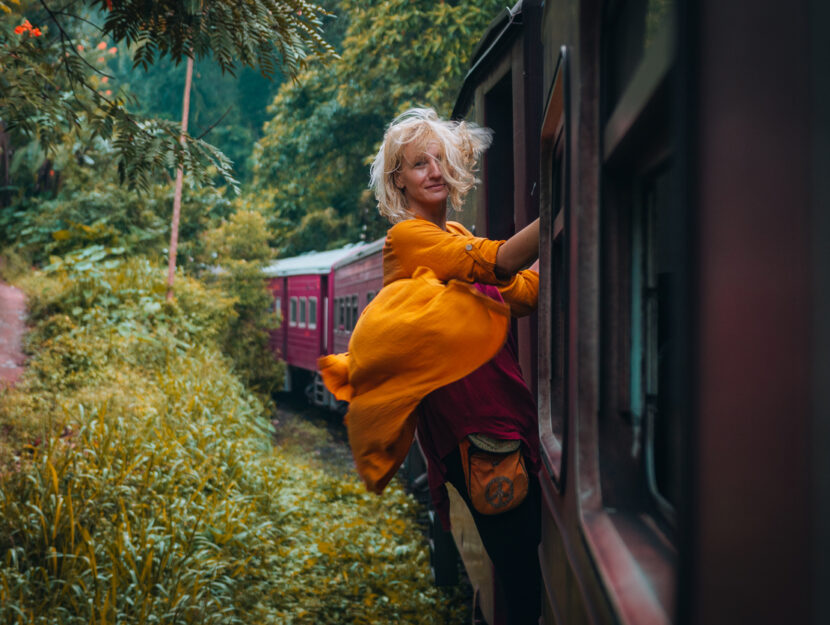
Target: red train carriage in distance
319	296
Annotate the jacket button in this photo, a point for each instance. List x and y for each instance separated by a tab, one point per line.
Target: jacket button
469	247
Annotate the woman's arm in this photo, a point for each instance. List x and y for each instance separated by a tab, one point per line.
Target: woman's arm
519	250
455	254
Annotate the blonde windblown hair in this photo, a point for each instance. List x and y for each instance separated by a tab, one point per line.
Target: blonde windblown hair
461	145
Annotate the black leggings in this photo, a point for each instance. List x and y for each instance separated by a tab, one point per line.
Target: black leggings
511	539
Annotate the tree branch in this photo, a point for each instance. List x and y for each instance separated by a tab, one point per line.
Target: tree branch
65	35
213	125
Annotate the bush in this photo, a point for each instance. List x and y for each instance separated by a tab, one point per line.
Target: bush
144	488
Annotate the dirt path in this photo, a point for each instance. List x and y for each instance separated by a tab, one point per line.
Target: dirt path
12	327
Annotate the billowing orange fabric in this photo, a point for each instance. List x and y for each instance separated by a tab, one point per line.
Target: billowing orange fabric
426	328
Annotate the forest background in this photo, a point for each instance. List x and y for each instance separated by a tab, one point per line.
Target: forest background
137	477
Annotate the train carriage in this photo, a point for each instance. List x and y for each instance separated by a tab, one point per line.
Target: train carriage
676	150
301	287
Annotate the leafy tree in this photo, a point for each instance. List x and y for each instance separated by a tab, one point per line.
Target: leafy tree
314	154
239	247
51	89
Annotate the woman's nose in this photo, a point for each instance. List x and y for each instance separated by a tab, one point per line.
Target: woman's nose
434	169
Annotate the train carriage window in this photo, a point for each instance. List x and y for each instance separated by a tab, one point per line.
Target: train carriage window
278	307
658	265
354	311
303	307
341	314
554	284
370	295
292	311
643	243
312	313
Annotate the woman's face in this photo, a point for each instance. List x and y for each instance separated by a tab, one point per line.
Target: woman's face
422	182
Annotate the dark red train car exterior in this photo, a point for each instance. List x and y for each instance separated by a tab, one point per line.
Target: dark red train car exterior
302	300
680	164
356	279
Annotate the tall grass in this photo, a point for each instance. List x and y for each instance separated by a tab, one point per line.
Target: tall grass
139	484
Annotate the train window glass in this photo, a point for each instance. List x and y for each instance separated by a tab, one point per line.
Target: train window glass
633	26
558	300
278	307
642	248
354	312
341	314
369	297
303	305
554	282
654	283
292	311
312	312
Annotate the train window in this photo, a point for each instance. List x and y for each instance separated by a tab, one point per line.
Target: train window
354	312
655	276
303	306
633	26
292	311
369	297
312	312
278	307
341	314
642	253
554	283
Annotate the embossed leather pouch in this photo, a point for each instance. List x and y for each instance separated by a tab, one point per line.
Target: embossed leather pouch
495	473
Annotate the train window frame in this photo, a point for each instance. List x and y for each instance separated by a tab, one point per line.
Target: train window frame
292	311
626	533
555	226
312	308
341	315
355	311
303	312
278	307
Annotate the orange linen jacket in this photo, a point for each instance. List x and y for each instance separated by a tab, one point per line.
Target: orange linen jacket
427	327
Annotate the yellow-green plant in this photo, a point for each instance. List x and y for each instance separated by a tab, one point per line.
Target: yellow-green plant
146	488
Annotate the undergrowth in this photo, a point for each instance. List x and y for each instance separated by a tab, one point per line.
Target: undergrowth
139	483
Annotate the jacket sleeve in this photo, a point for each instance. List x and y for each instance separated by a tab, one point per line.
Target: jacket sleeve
522	294
450	255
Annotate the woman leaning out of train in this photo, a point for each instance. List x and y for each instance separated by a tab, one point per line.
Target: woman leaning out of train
431	351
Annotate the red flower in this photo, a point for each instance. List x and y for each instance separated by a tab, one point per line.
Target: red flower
26	27
109	5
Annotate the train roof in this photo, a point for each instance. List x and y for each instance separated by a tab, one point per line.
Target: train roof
499	34
309	263
361	252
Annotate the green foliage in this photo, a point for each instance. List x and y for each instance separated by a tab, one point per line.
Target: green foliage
91	210
239	247
396	54
244	237
52	71
146	490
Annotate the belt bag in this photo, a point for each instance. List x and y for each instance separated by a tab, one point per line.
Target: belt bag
494	472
